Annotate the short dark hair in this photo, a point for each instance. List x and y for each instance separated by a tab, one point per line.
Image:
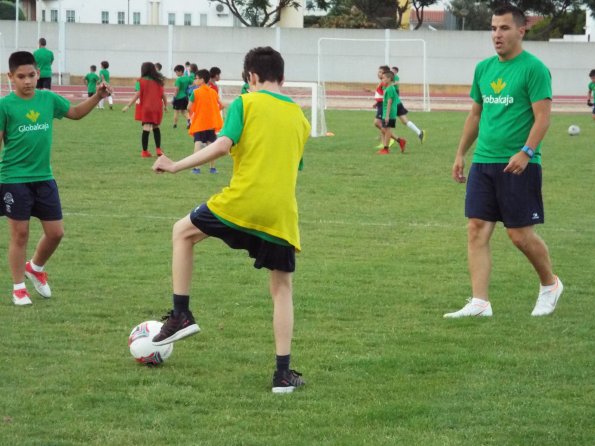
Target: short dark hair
204	75
178	68
19	58
215	71
193	68
389	74
42	41
104	64
592	73
384	68
158	66
266	62
395	69
93	68
517	14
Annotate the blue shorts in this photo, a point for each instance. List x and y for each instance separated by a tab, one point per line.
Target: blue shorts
379	110
21	201
205	136
266	254
401	110
493	195
180	103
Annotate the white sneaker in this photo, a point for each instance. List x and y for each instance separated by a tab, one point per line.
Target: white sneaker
547	300
474	307
21	297
40	281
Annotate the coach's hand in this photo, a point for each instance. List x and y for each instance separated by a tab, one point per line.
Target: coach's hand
517	163
104	90
163	164
458	170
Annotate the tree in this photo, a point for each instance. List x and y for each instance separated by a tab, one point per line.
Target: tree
7	11
419	6
260	13
478	16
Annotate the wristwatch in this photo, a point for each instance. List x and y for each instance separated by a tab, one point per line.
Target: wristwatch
528	150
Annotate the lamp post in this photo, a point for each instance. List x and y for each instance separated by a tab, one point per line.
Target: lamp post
463	13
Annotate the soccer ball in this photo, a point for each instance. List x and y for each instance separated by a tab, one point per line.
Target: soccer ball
574	130
141	344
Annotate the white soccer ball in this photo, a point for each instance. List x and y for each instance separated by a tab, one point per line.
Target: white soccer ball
574	130
141	345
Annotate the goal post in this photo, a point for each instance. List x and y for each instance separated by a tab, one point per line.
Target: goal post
347	67
306	94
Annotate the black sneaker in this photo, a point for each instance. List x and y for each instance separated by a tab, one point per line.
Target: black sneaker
176	328
286	381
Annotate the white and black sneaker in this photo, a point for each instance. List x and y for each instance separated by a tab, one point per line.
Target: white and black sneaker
176	327
286	381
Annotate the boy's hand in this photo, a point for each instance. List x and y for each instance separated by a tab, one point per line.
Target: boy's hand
125	108
163	164
104	90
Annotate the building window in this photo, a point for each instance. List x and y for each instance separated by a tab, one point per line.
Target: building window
171	18
53	15
43	15
70	16
136	18
121	18
187	19
203	20
104	17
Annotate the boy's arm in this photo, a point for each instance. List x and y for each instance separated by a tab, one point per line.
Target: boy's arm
389	103
132	101
1	139
164	99
211	152
84	108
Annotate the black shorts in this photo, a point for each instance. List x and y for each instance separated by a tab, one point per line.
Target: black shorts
266	254
206	136
44	83
401	110
391	124
21	201
180	104
493	195
379	110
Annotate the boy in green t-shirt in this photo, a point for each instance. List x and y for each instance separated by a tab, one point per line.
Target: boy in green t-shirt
91	80
265	132
44	59
390	103
591	94
104	77
509	117
27	185
180	102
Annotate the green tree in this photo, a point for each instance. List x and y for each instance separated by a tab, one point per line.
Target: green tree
478	15
419	6
7	11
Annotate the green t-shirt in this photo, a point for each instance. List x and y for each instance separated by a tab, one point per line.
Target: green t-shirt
390	92
104	75
245	88
27	125
182	83
92	79
506	90
44	59
397	83
592	87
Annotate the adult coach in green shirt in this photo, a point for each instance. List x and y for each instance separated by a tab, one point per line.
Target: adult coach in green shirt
44	59
509	117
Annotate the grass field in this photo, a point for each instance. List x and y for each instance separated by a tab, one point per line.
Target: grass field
384	256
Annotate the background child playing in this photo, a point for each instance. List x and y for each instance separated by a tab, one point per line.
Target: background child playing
591	94
150	109
180	103
27	185
104	77
266	133
205	113
91	80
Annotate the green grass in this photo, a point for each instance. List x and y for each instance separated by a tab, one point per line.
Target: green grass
384	256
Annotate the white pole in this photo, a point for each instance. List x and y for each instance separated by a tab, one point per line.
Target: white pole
16	25
61	42
170	50
386	46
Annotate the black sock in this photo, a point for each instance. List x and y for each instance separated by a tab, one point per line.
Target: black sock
283	362
181	304
157	136
145	139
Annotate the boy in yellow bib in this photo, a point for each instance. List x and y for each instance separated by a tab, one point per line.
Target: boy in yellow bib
265	133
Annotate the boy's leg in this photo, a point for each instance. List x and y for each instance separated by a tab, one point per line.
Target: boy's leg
17	248
197	147
285	380
53	232
180	322
176	114
157	138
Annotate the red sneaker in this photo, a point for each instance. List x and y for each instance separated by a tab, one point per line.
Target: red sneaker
159	152
21	297
145	154
39	279
402	143
383	152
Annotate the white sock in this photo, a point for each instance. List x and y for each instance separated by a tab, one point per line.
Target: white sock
35	267
413	127
19	286
100	105
546	288
110	100
477	301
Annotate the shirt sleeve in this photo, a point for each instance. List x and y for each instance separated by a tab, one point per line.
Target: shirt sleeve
2	117
234	121
540	83
475	92
61	106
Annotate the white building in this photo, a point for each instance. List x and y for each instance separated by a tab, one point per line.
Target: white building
135	12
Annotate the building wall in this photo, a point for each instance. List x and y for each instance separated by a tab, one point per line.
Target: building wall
451	56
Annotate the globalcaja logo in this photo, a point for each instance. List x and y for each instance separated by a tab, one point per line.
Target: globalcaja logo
497	87
33	116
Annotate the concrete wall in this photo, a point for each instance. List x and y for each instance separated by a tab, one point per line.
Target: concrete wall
451	56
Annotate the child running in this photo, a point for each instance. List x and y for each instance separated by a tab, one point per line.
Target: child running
180	103
104	77
266	133
27	185
591	94
152	104
205	113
